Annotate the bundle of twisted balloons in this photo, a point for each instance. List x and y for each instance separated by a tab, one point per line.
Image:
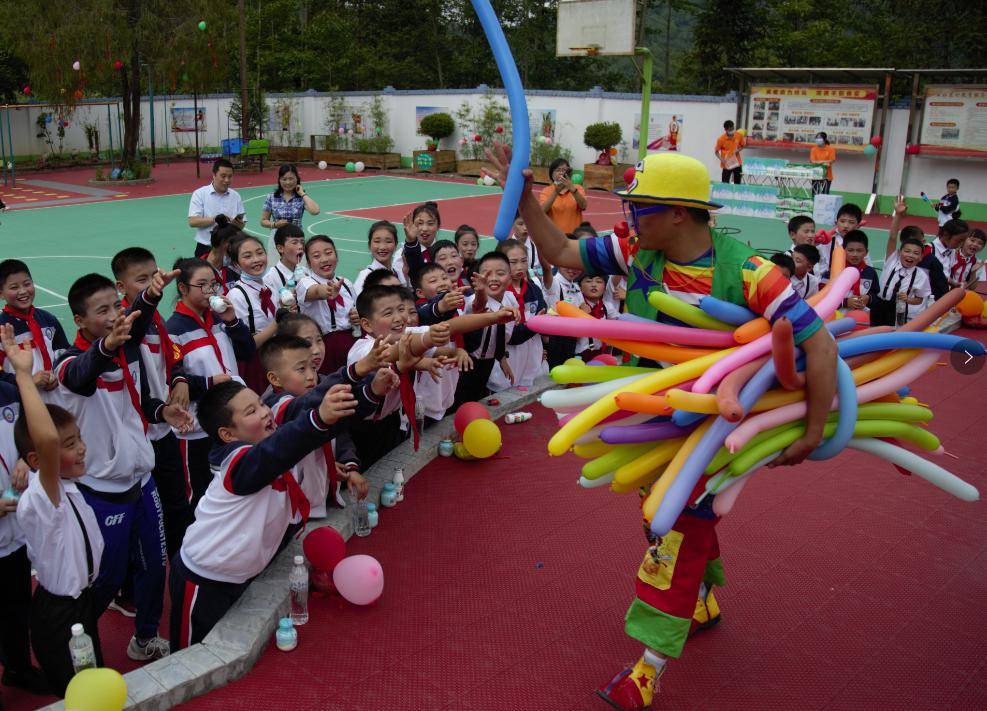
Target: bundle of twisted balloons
733	397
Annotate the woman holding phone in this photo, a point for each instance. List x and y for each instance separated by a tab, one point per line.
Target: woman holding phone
562	200
286	205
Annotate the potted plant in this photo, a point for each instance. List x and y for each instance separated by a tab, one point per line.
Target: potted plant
436	127
601	137
352	137
545	149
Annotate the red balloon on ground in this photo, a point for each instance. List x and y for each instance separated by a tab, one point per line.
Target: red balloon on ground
468	412
324	548
629	175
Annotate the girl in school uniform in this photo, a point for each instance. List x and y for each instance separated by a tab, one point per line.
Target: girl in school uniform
420	230
254	303
467	241
211	343
329	300
218	257
382	241
524	347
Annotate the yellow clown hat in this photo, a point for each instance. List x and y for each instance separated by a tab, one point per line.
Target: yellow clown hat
670	179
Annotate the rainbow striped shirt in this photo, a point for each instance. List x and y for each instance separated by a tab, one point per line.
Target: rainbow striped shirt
766	289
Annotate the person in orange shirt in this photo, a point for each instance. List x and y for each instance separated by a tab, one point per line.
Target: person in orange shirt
562	200
728	147
824	154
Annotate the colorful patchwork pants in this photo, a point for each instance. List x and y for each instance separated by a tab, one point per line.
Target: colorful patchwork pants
669	579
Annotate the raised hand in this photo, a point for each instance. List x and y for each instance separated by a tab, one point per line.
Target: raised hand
120	332
452	301
900	207
337	404
159	280
406	358
384	381
20	355
410	229
378	357
500	156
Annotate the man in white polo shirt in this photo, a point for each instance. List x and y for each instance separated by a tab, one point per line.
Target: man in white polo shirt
212	201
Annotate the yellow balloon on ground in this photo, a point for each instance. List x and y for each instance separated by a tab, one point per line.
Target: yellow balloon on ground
604	407
96	690
459	449
482	438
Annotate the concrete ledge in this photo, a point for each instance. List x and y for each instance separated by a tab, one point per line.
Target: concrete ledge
232	648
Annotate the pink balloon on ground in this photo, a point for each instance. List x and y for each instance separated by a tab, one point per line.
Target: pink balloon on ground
757	348
359	579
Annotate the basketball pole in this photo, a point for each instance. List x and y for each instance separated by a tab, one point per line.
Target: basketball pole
642	140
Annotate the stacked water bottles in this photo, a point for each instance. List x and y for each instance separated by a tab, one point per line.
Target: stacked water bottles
286	294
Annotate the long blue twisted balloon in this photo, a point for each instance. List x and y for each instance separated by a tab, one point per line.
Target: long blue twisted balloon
519	117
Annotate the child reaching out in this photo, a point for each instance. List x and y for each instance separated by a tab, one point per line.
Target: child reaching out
446	255
421	226
64	541
254	502
289	241
525	352
32	324
382	241
904	286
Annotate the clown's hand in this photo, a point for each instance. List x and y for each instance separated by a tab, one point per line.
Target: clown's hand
500	156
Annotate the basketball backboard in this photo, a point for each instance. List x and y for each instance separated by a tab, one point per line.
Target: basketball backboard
595	27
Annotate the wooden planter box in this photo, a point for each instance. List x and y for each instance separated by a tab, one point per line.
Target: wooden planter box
541	175
382	161
472	167
441	162
291	154
602	177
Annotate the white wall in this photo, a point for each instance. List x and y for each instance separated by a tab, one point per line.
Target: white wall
703	119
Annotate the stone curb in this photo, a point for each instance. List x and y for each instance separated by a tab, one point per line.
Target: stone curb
232	648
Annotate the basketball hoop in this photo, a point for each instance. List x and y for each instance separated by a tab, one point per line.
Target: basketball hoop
590	50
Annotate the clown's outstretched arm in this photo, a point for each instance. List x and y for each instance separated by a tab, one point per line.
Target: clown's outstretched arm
820	383
552	243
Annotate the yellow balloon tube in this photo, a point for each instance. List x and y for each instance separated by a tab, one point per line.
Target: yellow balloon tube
660	487
643	470
686	313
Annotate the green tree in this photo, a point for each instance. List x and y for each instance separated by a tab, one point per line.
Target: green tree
113	40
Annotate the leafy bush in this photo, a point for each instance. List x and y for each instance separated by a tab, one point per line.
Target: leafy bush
484	122
542	154
437	126
375	144
602	136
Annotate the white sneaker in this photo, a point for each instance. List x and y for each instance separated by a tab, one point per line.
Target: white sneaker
154	648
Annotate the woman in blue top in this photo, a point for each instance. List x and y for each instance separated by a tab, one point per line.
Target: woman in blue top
286	204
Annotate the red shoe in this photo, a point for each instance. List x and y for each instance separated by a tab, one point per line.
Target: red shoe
632	689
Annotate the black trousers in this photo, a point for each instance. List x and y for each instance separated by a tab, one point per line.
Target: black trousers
197	604
472	385
194	457
375	438
735	173
560	349
52	617
169	477
15	602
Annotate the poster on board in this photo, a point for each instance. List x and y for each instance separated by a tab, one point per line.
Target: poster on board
664	132
790	116
955	116
542	122
185	120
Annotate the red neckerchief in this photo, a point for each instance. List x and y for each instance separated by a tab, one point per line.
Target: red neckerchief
519	295
299	502
426	255
961	264
206	325
266	303
598	310
408	403
84	344
36	335
167	347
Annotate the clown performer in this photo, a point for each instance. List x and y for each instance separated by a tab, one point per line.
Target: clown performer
668	204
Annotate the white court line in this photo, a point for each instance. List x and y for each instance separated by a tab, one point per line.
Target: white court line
63	297
53	306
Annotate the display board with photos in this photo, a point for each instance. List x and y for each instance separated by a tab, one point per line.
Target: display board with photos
955	118
790	116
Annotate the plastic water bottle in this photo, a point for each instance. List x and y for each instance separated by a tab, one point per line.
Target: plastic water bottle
81	648
901	312
298	584
399	484
361	518
389	496
11	493
299	273
372	515
286	636
512	418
